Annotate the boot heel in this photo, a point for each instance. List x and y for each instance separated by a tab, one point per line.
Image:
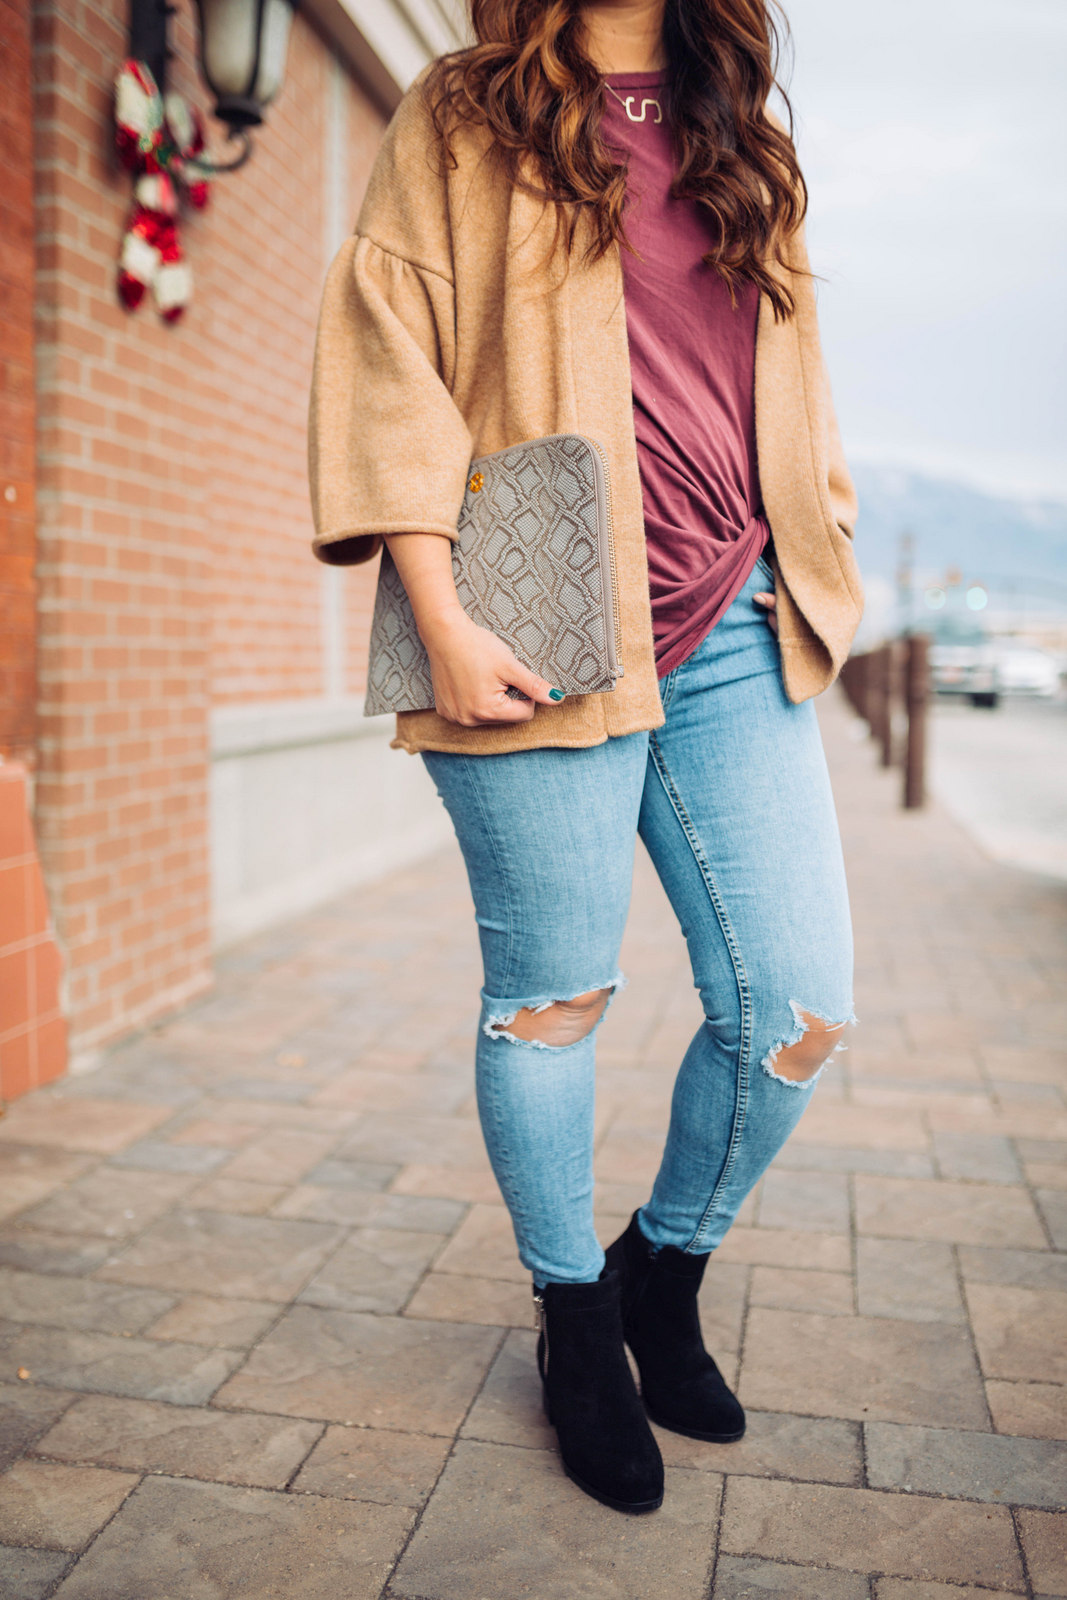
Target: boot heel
605	1443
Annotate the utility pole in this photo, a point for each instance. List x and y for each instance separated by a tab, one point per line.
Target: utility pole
905	582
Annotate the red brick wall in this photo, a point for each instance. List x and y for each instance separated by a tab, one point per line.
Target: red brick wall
174	524
33	1031
17	597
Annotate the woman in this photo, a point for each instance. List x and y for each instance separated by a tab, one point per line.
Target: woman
590	222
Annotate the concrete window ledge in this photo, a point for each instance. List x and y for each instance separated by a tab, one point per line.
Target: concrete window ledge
307	800
287	724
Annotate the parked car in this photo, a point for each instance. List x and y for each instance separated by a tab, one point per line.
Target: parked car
963	659
1023	669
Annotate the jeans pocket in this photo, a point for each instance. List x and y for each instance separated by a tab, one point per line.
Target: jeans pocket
764	566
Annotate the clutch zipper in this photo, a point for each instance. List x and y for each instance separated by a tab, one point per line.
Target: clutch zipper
616	640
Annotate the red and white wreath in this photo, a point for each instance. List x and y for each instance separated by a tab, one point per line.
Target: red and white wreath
157	137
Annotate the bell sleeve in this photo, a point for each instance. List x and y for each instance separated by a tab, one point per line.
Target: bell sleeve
388	449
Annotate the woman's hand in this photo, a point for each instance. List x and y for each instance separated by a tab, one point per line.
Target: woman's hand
472	671
770	607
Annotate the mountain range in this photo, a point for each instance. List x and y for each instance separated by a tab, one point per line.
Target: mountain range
1015	546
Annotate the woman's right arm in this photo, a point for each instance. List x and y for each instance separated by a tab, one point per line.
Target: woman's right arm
472	669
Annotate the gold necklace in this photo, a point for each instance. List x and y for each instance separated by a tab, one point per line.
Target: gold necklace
627	103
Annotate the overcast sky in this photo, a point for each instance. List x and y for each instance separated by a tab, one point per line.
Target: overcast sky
932	135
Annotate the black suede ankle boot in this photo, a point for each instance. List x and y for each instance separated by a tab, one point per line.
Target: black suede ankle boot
681	1386
605	1442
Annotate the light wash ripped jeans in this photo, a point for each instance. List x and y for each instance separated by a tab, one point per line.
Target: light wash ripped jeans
732	800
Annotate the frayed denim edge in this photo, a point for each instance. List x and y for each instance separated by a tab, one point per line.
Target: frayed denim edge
496	1022
800	1028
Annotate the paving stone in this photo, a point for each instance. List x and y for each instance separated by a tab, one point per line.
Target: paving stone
629	1155
987	1159
282	1156
861	1530
221	1133
1024	1269
202	1319
372	1371
376	1269
352	1174
1019	1332
802	1291
363	1208
507	1523
237	1195
811	1202
25	1413
484	1246
248	1258
30	1574
784	1247
99	1127
388	1137
971	1466
903	1278
156	1155
143	1436
861	1127
110	1203
816	1449
1034	1410
37	1250
362	1088
909	1589
397	1469
493	1302
60	1303
1046	1150
186	1375
471	1183
829	1158
29	1175
747	1578
861	1367
962	1213
508	1409
54	1507
1043	1175
1041	1535
203	1541
1053	1206
291	1092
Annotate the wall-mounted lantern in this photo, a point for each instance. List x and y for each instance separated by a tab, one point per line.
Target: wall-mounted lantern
243	46
242	49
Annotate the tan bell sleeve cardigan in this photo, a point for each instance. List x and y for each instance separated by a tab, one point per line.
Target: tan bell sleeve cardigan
450	327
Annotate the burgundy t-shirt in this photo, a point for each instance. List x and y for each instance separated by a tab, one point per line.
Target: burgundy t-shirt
692	361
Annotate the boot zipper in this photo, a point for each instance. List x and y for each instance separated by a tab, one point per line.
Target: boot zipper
541	1322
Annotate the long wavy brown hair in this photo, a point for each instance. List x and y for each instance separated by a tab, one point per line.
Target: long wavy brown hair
529	79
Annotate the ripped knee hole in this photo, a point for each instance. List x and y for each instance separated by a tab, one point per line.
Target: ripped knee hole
562	1023
803	1057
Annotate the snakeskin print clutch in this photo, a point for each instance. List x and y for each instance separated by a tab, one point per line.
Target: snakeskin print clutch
534	562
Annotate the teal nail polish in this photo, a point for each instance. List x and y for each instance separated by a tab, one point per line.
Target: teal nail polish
556	694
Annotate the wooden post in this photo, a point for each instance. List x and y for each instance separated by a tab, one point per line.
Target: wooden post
882	707
917	692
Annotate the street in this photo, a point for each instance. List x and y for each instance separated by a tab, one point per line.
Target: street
1003	775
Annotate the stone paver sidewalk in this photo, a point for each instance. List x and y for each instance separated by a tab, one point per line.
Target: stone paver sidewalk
265	1335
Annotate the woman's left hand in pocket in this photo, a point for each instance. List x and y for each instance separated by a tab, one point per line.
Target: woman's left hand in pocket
769	605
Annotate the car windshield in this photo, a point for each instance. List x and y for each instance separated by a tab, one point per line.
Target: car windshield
958	630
